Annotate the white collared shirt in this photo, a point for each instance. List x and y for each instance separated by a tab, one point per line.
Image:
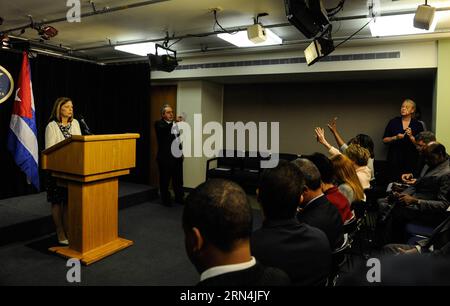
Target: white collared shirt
215	271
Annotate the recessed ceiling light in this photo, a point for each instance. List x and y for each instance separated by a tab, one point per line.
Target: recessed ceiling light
397	25
141	49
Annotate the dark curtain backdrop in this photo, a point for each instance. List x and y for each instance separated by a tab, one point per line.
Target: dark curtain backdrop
113	99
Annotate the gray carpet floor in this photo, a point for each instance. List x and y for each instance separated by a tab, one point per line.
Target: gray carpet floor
157	257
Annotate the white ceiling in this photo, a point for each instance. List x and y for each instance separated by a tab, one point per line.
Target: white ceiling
92	35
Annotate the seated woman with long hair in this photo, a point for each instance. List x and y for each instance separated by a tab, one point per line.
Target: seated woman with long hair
348	181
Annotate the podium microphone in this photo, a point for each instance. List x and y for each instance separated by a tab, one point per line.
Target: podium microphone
84	126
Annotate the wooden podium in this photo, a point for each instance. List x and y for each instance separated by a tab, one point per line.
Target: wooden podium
90	166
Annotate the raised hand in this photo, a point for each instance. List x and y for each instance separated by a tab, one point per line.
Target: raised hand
332	125
320	135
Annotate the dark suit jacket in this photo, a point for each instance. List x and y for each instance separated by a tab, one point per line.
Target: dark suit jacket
322	214
302	251
258	275
165	138
433	189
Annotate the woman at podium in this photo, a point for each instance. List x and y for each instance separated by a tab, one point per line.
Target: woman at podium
61	125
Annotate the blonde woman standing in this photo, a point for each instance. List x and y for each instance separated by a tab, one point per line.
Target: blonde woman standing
400	134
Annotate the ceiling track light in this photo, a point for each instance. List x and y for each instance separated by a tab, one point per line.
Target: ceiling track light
256	33
309	17
45	31
423	19
320	47
166	62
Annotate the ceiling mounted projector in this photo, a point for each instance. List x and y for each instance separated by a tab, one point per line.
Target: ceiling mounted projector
308	16
166	62
424	16
256	33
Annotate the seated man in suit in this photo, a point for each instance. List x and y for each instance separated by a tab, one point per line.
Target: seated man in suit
315	209
425	202
422	140
301	250
217	223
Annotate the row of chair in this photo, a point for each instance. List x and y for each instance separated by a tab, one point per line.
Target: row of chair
242	167
359	235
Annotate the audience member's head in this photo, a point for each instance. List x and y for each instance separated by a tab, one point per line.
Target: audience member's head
217	222
312	179
364	141
357	154
324	165
423	139
280	191
346	174
435	154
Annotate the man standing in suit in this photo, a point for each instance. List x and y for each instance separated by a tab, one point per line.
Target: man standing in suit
170	164
217	224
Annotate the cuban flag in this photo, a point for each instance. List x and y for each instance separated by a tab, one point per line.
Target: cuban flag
22	134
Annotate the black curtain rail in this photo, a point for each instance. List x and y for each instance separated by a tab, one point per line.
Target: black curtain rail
93	13
76	54
277	25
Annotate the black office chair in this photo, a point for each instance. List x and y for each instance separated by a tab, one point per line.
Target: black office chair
417	231
364	235
228	162
351	226
339	259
